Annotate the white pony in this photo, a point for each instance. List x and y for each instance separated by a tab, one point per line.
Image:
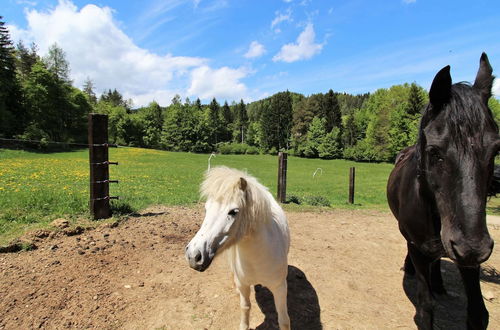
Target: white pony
243	219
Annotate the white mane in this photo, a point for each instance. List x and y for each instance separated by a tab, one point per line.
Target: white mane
222	184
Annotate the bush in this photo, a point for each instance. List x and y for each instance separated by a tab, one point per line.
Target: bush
251	150
363	152
293	199
237	149
316	200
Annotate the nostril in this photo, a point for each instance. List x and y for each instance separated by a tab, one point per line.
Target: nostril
186	248
197	258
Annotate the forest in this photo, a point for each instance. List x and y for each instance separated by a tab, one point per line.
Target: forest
39	102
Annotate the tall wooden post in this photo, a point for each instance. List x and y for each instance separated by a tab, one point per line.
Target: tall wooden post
282	169
99	166
352	176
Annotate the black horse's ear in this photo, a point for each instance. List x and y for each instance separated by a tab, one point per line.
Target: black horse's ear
243	184
484	78
440	91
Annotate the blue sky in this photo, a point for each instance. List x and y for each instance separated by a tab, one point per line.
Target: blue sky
154	49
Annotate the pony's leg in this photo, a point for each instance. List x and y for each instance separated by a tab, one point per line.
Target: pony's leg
280	294
424	316
477	314
244	291
436	278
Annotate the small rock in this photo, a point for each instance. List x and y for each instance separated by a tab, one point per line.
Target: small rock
60	223
488	295
141	284
127	286
54	247
94	297
81	252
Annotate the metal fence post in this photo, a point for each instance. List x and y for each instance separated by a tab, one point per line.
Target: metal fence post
282	169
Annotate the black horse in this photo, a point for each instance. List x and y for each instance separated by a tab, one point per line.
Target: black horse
438	191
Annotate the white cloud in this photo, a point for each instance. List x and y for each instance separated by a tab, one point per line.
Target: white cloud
282	17
223	83
304	48
287	1
256	49
496	87
409	1
97	48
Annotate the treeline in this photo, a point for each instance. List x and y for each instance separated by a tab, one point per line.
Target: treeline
39	102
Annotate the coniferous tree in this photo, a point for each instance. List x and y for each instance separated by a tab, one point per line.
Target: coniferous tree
88	89
415	100
333	114
276	122
57	64
26	58
241	120
12	116
214	122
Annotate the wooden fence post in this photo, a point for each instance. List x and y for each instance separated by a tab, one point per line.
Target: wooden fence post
352	176
282	169
99	166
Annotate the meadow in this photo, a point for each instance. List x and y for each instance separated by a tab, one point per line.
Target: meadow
36	188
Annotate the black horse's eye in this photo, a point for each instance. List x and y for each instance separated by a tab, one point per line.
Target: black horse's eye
233	212
434	155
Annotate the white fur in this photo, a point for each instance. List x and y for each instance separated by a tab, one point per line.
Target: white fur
257	239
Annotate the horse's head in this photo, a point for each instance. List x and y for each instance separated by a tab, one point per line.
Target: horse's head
458	142
227	215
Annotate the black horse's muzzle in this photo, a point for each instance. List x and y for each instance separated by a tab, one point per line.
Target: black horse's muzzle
469	253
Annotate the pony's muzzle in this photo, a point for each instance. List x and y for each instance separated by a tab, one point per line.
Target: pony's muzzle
198	260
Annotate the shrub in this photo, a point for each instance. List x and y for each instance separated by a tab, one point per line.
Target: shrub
316	200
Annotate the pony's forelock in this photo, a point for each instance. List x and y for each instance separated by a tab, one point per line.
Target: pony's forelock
222	184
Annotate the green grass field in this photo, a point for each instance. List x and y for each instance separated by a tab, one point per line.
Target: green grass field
36	188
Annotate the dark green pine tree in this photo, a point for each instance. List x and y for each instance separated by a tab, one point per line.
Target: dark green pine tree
332	108
226	122
197	104
242	119
415	100
276	122
26	58
214	122
12	116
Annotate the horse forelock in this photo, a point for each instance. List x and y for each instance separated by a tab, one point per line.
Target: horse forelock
222	184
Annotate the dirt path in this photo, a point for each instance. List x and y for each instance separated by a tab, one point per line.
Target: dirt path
344	274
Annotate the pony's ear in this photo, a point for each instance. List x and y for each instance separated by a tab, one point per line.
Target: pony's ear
484	78
440	91
243	184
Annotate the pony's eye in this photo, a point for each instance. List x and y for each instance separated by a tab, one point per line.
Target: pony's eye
233	212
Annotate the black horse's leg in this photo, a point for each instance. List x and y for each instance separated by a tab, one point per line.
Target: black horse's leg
424	315
477	314
408	267
436	278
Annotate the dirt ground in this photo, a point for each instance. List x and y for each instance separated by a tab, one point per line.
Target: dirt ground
344	273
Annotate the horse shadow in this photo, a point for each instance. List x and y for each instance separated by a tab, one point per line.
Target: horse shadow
302	300
450	309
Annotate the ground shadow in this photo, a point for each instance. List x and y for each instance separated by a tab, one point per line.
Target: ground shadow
303	304
450	309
